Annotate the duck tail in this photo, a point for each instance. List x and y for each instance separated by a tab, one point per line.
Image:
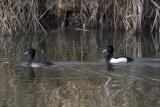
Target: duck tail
129	59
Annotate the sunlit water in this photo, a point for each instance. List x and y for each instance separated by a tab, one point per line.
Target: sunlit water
80	77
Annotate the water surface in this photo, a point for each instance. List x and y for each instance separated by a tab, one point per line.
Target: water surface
80	77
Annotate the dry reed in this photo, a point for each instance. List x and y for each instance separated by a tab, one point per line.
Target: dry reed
27	15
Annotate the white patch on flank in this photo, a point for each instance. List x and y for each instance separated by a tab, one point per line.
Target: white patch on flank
118	60
35	65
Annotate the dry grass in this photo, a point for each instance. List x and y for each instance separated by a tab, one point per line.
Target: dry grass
133	15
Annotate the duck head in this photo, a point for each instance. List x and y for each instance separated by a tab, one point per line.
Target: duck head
108	52
31	52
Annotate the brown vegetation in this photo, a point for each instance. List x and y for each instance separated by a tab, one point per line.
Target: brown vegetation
32	15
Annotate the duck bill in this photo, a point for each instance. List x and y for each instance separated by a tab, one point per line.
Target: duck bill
104	51
26	53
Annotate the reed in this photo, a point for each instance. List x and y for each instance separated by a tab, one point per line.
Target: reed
34	15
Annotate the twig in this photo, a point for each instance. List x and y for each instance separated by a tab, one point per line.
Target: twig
41	25
155	20
45	11
155	4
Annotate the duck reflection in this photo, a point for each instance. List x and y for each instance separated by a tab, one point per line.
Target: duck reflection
31	73
109	67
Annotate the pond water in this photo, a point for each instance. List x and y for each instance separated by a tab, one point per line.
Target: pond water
80	77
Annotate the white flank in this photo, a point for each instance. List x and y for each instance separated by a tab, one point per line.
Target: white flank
35	65
118	60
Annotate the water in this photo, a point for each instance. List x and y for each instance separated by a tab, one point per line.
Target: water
80	77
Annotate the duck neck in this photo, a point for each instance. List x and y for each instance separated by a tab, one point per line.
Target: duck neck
32	57
108	58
